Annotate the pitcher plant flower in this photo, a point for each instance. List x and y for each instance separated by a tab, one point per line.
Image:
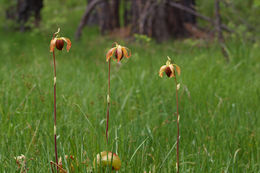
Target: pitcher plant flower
106	158
170	70
57	42
117	53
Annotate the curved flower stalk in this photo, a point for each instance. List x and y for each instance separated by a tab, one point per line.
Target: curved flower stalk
57	42
170	70
117	53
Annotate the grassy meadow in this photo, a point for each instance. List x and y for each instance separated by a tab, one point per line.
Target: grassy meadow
219	104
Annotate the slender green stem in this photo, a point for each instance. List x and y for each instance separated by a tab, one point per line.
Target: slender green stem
55	137
108	99
177	105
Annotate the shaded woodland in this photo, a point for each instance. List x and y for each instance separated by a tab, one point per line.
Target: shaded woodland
158	19
161	20
23	10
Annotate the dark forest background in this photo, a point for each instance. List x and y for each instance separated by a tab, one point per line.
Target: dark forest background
159	19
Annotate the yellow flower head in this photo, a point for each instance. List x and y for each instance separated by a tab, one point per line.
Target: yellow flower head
58	42
119	52
105	159
169	69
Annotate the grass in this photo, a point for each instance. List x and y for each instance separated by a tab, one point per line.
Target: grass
219	104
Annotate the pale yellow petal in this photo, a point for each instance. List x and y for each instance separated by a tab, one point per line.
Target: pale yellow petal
110	53
126	52
172	69
178	69
178	86
162	69
68	43
53	44
119	53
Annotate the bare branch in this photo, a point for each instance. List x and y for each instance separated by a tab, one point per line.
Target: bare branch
89	9
149	8
191	11
219	30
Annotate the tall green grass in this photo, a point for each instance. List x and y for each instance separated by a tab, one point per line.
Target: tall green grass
219	103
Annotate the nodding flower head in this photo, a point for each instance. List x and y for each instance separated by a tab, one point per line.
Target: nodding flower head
119	52
169	69
58	42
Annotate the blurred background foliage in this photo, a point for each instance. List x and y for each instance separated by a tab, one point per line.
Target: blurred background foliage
239	15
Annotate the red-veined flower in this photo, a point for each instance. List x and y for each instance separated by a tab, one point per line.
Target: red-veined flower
169	69
58	42
119	52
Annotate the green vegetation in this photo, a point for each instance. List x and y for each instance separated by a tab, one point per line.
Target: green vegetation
219	103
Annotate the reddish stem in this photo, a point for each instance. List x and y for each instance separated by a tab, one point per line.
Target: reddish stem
177	149
108	99
55	138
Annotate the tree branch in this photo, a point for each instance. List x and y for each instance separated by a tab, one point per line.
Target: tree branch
191	11
219	30
149	8
89	9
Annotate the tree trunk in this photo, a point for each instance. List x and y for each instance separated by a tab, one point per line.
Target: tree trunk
160	28
114	13
219	30
26	9
159	19
189	18
176	21
135	15
126	12
93	17
90	7
104	17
